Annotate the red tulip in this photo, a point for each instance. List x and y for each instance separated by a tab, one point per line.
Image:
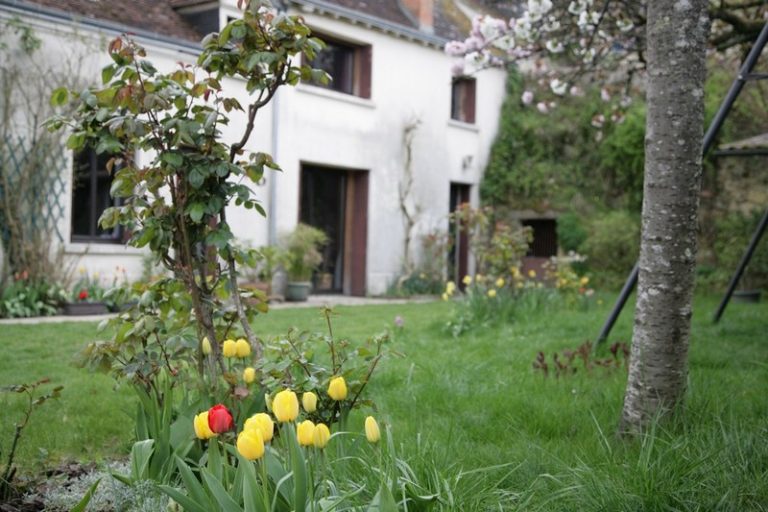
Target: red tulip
83	295
219	419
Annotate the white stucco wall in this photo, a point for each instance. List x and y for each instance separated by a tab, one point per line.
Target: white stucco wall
313	125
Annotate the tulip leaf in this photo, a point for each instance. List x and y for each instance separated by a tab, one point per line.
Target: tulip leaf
220	494
83	503
193	486
253	498
187	503
141	453
383	501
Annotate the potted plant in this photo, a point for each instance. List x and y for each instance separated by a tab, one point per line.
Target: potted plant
302	257
260	271
86	297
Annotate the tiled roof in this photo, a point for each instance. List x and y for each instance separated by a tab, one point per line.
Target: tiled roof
156	16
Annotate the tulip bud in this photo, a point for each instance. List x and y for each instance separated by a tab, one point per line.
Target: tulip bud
206	346
491	293
309	401
250	444
305	433
228	348
202	430
263	423
285	406
372	432
249	375
219	419
467	280
242	348
321	436
337	389
499	282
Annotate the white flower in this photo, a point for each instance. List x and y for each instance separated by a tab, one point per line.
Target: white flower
553	47
527	97
605	95
505	42
624	25
598	120
542	107
576	91
558	87
492	28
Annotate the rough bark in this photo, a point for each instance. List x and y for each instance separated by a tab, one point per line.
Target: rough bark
658	371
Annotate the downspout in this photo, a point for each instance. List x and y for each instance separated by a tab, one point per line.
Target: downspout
272	180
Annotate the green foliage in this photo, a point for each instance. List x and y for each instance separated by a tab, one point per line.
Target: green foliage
613	246
302	254
571	233
24	298
732	235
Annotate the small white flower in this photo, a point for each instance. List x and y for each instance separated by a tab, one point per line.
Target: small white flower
542	107
527	97
553	47
605	95
558	87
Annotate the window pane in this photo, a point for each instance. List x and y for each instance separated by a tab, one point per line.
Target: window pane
81	194
90	197
338	61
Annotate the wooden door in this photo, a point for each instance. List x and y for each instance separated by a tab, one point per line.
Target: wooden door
356	233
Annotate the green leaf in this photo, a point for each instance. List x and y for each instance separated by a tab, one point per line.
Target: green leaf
193	486
196	212
59	97
226	503
299	469
76	140
107	72
141	453
188	504
83	503
172	159
383	501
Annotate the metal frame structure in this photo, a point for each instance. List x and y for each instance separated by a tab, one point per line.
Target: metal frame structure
745	75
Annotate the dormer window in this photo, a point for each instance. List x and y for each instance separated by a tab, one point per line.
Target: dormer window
463	99
348	64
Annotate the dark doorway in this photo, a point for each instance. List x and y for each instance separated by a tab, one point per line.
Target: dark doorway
336	201
458	256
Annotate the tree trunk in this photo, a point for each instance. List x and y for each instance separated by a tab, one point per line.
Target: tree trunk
658	370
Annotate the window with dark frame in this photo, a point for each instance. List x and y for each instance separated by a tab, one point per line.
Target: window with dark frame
463	99
544	244
348	64
90	197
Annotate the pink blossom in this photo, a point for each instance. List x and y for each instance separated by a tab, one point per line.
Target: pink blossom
455	48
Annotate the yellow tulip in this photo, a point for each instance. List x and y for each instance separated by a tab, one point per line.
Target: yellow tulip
491	293
321	436
309	401
499	283
285	406
249	375
480	278
584	281
445	296
337	389
467	280
250	444
531	274
450	287
202	430
305	433
263	423
229	348
242	348
372	432
206	346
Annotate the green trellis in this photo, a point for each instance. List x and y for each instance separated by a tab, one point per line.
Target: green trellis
33	176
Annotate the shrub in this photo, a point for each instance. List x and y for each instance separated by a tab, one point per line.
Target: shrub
732	235
25	298
612	247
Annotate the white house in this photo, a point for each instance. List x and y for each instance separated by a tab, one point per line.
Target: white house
341	147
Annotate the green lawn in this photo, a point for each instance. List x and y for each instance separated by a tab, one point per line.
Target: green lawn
475	402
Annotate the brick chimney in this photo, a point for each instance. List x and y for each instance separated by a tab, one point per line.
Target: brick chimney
423	12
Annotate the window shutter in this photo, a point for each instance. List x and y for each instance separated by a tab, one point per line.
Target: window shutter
365	71
470	87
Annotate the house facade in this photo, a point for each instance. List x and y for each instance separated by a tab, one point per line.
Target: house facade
345	149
